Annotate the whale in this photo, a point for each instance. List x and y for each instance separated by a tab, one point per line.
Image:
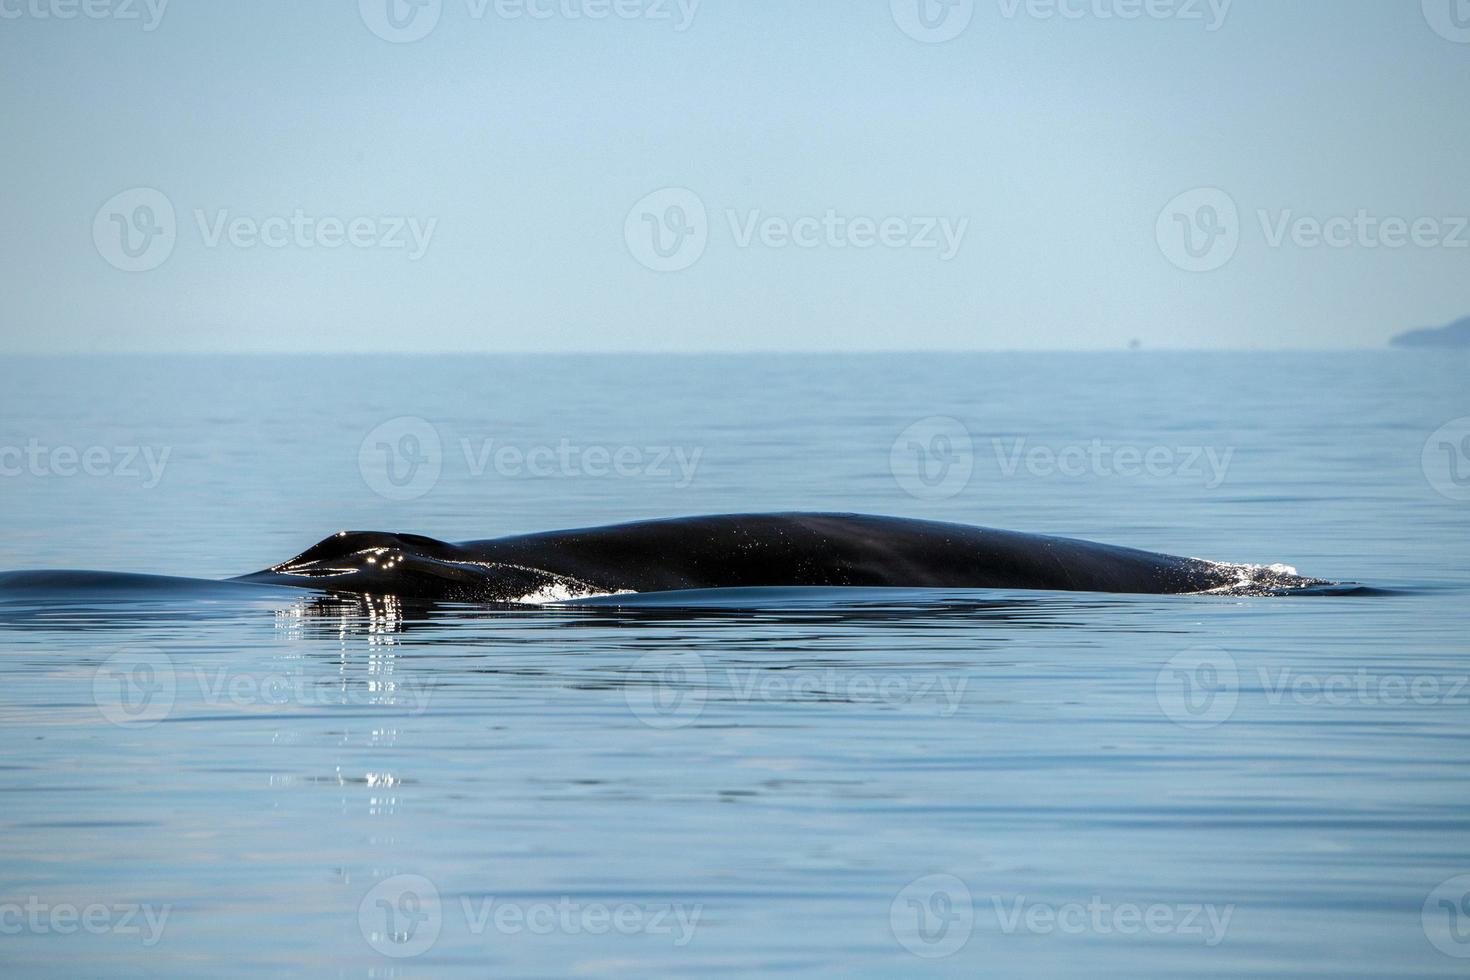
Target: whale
751	550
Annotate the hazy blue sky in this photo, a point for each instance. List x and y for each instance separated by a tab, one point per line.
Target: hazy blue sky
515	142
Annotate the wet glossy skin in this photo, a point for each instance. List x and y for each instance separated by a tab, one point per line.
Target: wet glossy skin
739	550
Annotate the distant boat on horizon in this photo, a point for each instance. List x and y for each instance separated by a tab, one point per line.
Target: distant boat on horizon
1456	334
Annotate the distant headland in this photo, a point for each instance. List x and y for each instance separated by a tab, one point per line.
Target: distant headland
1457	334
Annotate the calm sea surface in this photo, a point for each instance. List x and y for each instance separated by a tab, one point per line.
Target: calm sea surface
203	782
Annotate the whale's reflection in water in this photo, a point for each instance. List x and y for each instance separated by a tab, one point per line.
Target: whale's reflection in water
740	604
682	658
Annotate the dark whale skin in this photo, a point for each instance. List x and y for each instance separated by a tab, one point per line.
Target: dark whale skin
741	550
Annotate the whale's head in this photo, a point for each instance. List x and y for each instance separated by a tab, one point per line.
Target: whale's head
414	567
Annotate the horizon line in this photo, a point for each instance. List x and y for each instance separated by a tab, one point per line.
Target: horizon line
686	352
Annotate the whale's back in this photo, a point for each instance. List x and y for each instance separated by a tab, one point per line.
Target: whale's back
745	551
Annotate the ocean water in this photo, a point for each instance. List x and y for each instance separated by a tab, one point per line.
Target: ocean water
208	781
